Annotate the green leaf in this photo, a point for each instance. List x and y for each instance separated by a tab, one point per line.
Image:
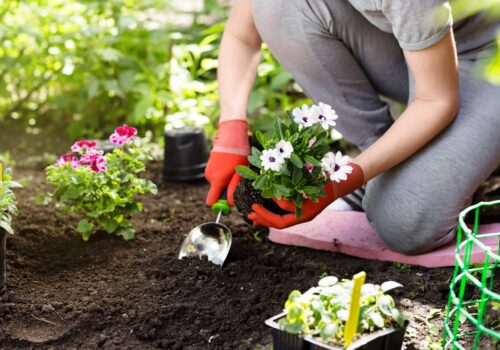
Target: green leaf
267	193
259	182
293	328
109	226
312	160
246	172
254	160
70	193
6	226
296	160
296	175
127	233
277	128
328	331
311	190
261	138
85	228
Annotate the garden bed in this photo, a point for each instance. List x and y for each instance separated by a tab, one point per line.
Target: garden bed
64	293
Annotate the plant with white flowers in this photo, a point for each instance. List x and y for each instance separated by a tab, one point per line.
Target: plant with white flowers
295	161
323	311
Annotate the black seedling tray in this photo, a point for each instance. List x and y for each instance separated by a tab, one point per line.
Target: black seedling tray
387	339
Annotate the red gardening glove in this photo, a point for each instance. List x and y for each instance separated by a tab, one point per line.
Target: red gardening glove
263	217
231	148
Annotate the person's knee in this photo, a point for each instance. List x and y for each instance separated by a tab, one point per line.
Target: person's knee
410	236
407	224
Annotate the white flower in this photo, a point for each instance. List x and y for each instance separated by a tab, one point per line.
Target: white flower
272	160
285	148
335	166
326	115
305	116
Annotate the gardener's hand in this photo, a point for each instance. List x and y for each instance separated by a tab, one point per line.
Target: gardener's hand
263	217
230	149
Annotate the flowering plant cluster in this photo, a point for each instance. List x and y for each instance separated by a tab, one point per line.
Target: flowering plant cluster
296	162
100	187
8	205
323	311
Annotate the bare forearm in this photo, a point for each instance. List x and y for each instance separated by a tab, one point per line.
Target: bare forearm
238	63
238	60
420	123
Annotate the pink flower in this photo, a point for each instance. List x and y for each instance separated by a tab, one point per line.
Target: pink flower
122	135
94	160
99	164
309	167
68	158
83	146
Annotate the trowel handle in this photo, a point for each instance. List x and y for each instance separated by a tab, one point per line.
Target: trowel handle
222	205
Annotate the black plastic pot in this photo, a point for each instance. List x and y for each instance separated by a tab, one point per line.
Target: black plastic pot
389	339
3	248
186	154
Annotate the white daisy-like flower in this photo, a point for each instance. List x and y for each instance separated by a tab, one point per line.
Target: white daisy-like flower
326	115
335	166
305	116
272	160
285	148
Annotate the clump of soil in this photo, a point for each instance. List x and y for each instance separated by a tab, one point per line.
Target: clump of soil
246	195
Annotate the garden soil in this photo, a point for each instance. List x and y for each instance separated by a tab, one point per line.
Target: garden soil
64	293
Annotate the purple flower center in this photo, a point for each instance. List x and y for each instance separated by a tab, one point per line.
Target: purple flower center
282	150
305	119
272	159
336	167
322	117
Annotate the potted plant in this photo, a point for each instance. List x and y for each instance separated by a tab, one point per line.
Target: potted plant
317	318
8	207
321	317
294	162
101	188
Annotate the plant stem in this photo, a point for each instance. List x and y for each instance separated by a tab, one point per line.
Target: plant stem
3	247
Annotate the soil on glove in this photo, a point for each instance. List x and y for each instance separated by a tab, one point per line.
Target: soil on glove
64	293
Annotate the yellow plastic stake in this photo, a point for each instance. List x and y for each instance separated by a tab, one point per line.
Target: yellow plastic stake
1	172
352	322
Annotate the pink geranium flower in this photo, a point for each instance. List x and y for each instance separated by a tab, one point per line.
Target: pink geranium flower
83	146
99	164
122	135
94	160
68	158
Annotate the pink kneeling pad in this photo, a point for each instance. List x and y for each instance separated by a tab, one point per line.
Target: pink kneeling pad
349	232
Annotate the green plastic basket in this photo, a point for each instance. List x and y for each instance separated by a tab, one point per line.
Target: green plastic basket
472	293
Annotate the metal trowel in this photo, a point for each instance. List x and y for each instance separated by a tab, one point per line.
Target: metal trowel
211	239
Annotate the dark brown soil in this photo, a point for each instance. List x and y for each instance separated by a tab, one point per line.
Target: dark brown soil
245	196
64	293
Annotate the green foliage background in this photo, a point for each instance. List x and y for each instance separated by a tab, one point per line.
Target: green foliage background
88	65
85	66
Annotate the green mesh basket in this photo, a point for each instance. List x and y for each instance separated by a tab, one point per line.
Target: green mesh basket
472	319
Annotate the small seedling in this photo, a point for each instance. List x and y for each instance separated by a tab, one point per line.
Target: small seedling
402	267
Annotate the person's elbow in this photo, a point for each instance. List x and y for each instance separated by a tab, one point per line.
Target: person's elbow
450	105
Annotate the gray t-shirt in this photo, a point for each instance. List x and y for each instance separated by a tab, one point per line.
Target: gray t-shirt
416	24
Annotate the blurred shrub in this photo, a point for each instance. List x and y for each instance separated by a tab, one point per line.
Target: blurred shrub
87	65
465	8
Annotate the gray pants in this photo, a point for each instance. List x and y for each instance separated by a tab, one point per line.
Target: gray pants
339	58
